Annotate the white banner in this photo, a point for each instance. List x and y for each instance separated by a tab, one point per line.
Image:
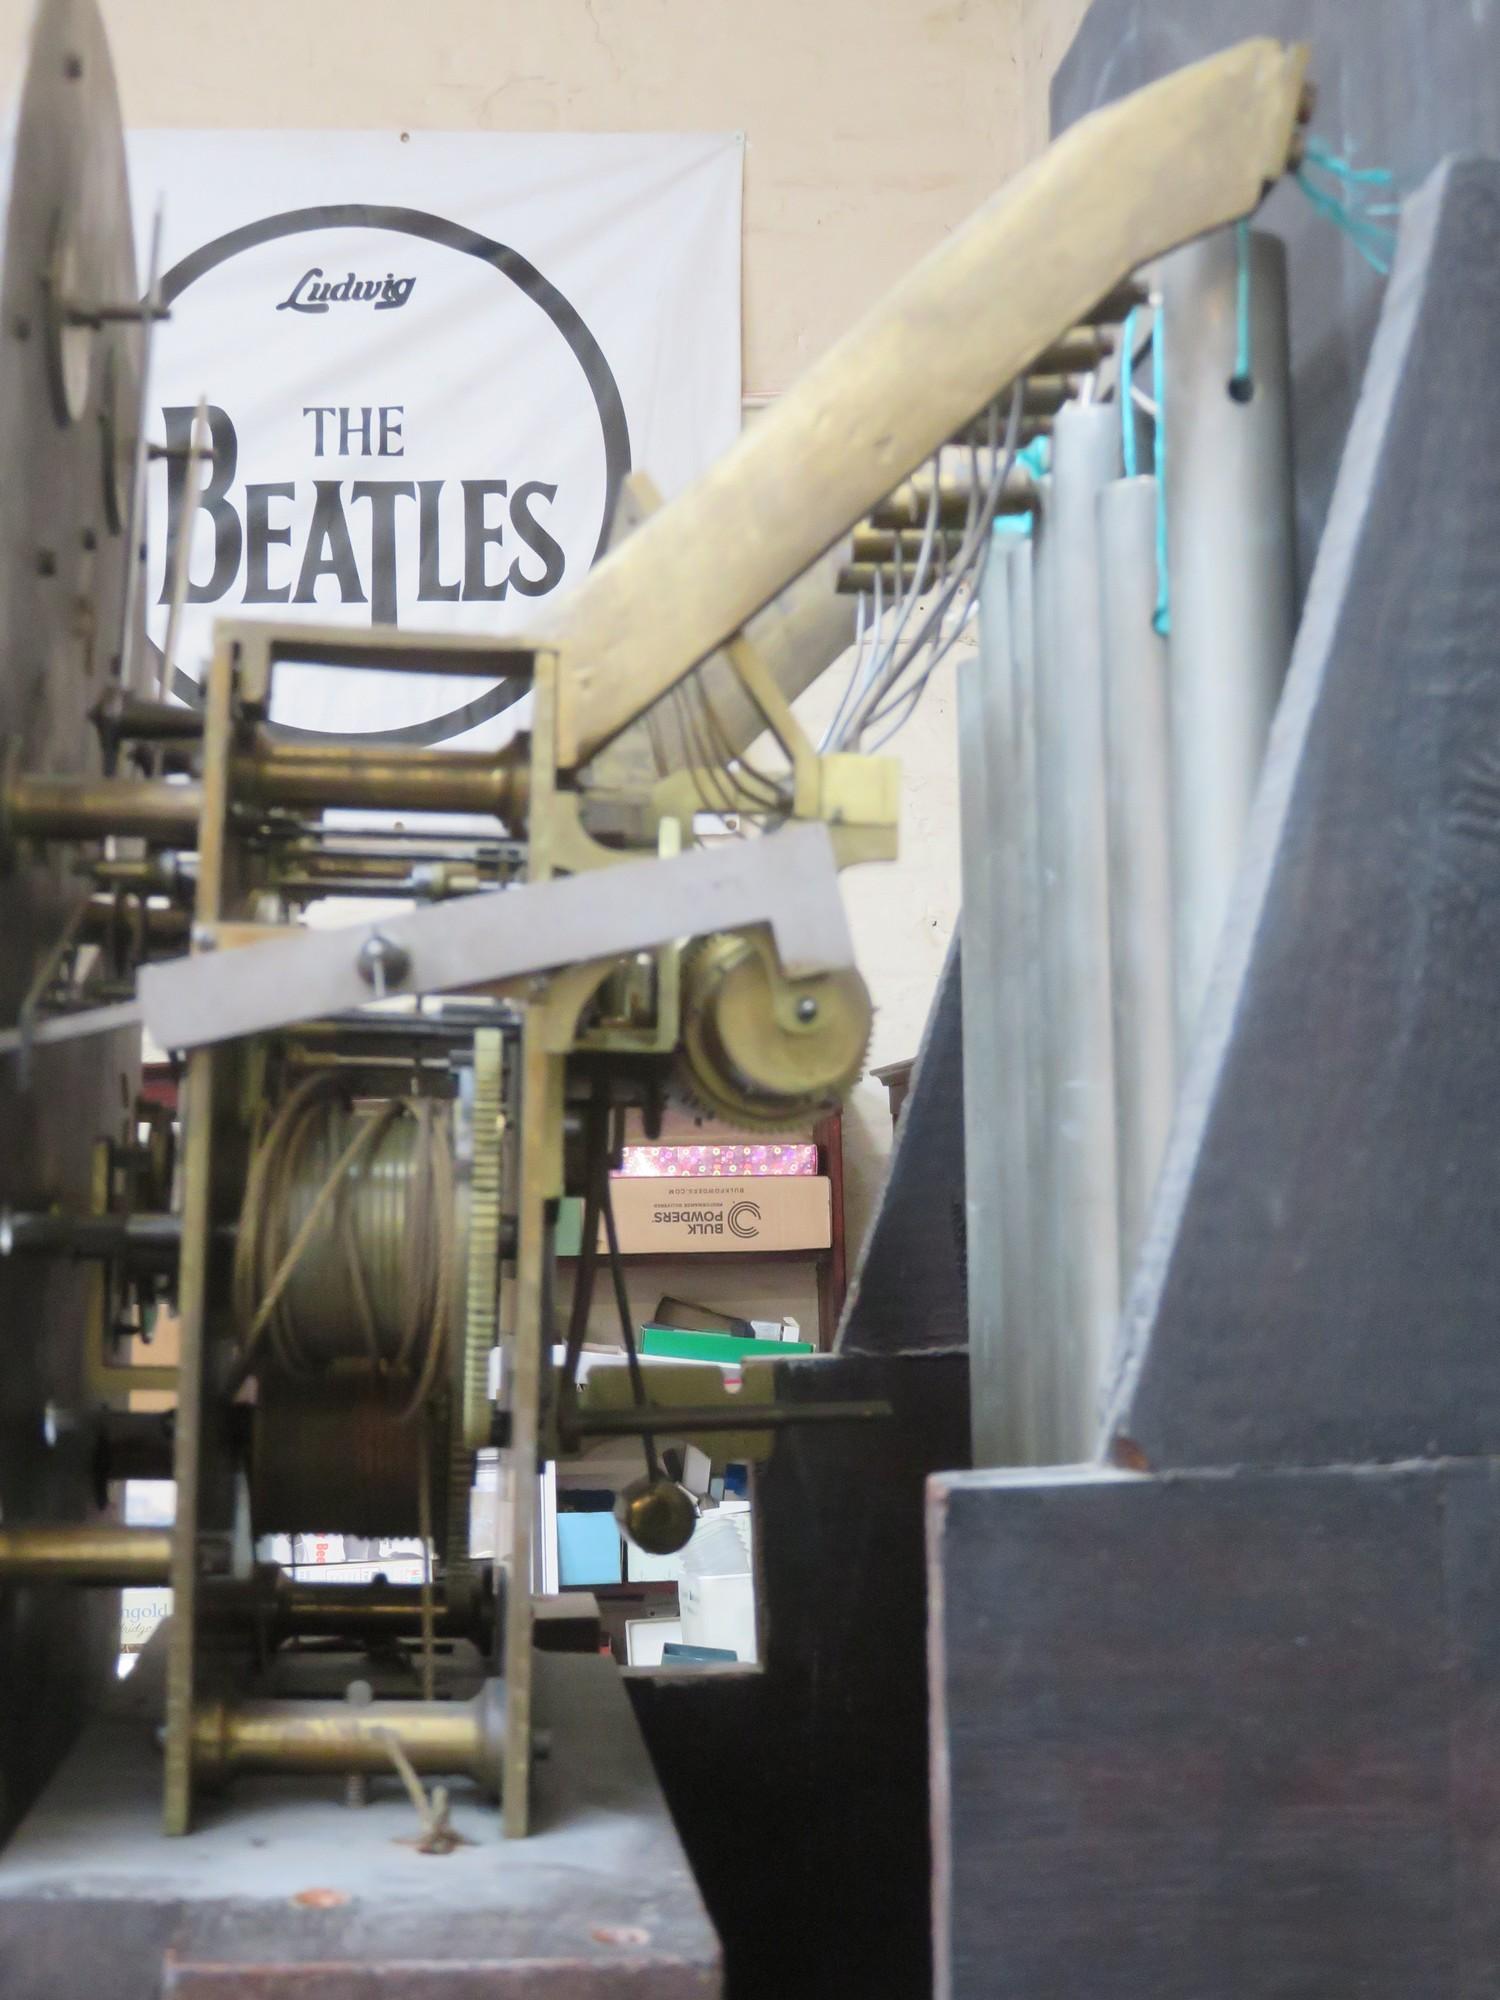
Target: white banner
429	359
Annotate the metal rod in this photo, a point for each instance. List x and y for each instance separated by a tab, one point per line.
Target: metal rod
1231	568
633	1422
125	716
907	506
143	1233
1116	303
116	1558
1081	349
133	569
1138	776
333	1609
132	1444
152	875
1044	395
199	452
440	1738
880	545
161	925
988	430
452	781
1079	1194
857	579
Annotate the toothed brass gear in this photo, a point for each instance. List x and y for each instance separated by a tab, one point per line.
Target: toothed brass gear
759	1049
483	1288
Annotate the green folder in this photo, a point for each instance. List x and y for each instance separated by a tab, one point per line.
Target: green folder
670	1343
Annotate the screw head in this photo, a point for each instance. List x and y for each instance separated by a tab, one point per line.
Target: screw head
807	1008
382	964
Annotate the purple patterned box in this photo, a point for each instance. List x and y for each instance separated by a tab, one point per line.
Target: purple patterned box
700	1162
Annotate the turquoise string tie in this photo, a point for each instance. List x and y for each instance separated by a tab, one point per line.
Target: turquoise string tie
1242	381
1162	616
1374	240
1125	392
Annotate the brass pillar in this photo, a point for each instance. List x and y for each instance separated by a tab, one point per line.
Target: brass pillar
333	1738
117	1558
315	776
45	808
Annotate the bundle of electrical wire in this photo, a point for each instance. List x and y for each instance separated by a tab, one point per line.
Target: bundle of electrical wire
881	688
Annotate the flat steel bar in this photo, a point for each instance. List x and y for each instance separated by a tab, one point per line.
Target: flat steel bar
676	1420
72	1027
787	880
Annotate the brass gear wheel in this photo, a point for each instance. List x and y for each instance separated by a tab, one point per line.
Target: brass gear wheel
761	1050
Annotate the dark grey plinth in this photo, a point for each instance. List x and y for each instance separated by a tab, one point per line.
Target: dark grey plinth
285	1892
1217	1736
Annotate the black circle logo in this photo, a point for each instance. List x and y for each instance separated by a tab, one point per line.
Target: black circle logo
540	290
744	1219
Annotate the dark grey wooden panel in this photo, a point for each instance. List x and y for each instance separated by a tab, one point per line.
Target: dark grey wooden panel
910	1288
801	1791
1400	84
1205	1735
1321	1278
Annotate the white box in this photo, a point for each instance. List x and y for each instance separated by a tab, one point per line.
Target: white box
645	1638
719	1611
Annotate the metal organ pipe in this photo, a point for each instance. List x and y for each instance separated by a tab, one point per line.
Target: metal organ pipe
998	1045
1138	788
1077	1186
1231	565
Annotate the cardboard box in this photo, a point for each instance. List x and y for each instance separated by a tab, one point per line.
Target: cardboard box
740	1215
645	1637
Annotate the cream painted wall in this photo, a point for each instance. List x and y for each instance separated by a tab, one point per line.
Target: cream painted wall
1047	29
872	128
871	125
